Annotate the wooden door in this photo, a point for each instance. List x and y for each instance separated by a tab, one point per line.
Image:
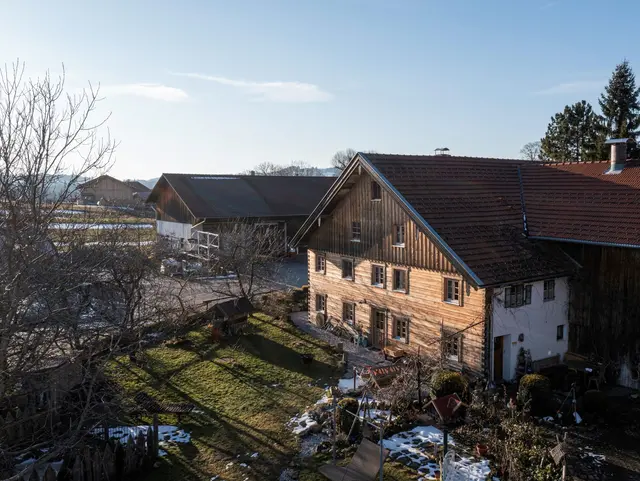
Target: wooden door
498	358
379	328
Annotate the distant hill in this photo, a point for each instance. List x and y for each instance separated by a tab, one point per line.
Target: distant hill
330	171
149	182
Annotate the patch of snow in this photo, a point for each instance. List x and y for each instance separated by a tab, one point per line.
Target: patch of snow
165	433
79	225
346	384
255	455
302	424
417	446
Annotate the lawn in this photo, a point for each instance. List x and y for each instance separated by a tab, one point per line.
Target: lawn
244	389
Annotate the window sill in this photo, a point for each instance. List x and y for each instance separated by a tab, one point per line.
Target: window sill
399	246
549	300
453	359
379	286
355	240
400	339
452	303
400	291
376	200
348	278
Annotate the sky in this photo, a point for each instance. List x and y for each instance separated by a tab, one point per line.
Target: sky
218	86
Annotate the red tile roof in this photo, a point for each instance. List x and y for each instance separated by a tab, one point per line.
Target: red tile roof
474	204
581	202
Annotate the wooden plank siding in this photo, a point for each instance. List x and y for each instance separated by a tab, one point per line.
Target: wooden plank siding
170	206
378	219
423	304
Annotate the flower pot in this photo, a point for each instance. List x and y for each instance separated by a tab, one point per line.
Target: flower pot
482	449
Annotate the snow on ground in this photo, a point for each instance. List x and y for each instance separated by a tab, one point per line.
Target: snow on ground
346	384
56	465
78	225
416	448
166	434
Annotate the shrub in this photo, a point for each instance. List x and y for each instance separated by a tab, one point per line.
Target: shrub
344	419
448	382
594	402
534	392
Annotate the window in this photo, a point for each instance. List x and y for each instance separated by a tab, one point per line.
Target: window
549	290
355	231
560	332
321	302
349	312
401	331
399	235
321	263
516	296
377	276
452	346
347	269
400	280
452	291
376	191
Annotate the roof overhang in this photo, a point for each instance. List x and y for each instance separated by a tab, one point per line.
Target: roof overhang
586	242
360	161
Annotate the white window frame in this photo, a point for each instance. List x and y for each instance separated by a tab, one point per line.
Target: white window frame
353	269
451	340
405	289
373	275
455	286
356	231
324	302
399	235
321	258
351	322
396	324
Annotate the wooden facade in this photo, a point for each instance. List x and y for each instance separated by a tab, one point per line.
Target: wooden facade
378	310
605	305
378	219
170	207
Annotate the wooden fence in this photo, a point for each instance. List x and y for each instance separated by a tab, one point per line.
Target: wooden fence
24	425
112	462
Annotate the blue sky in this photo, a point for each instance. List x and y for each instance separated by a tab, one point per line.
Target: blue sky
218	86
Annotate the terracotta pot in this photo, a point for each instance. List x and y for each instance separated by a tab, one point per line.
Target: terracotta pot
482	449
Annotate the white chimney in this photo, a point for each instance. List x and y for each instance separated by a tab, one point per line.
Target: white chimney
618	155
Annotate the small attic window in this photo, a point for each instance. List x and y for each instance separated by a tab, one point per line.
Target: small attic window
376	191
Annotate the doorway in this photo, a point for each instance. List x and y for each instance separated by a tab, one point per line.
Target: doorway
498	358
378	327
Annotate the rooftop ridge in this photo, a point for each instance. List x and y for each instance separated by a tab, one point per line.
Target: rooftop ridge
449	156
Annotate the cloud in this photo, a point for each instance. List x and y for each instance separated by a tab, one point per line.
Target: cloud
579	87
151	91
290	92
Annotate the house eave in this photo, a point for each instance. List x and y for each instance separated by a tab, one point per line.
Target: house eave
587	242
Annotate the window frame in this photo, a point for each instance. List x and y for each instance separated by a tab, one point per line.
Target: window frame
373	275
353	269
395	288
514	299
399	234
324	302
398	321
323	260
549	287
356	231
558	328
450	340
455	287
376	191
352	305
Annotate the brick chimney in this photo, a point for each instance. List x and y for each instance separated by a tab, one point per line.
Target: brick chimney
618	155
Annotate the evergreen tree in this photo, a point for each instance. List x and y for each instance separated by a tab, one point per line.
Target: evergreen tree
575	134
620	106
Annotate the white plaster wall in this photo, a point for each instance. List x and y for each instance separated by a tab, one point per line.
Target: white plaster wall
174	229
538	322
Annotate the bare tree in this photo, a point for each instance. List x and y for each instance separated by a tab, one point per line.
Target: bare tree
295	168
531	151
342	158
71	298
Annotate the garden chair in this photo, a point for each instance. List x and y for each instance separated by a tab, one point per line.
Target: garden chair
364	466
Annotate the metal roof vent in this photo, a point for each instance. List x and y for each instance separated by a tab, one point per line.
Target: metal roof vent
618	155
442	151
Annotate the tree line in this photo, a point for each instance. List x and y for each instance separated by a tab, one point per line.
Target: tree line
578	133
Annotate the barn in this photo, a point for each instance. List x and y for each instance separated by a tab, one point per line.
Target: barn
200	207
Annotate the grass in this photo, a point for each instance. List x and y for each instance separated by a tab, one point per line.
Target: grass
246	389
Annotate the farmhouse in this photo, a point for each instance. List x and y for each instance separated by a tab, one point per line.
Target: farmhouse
192	206
479	261
112	190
